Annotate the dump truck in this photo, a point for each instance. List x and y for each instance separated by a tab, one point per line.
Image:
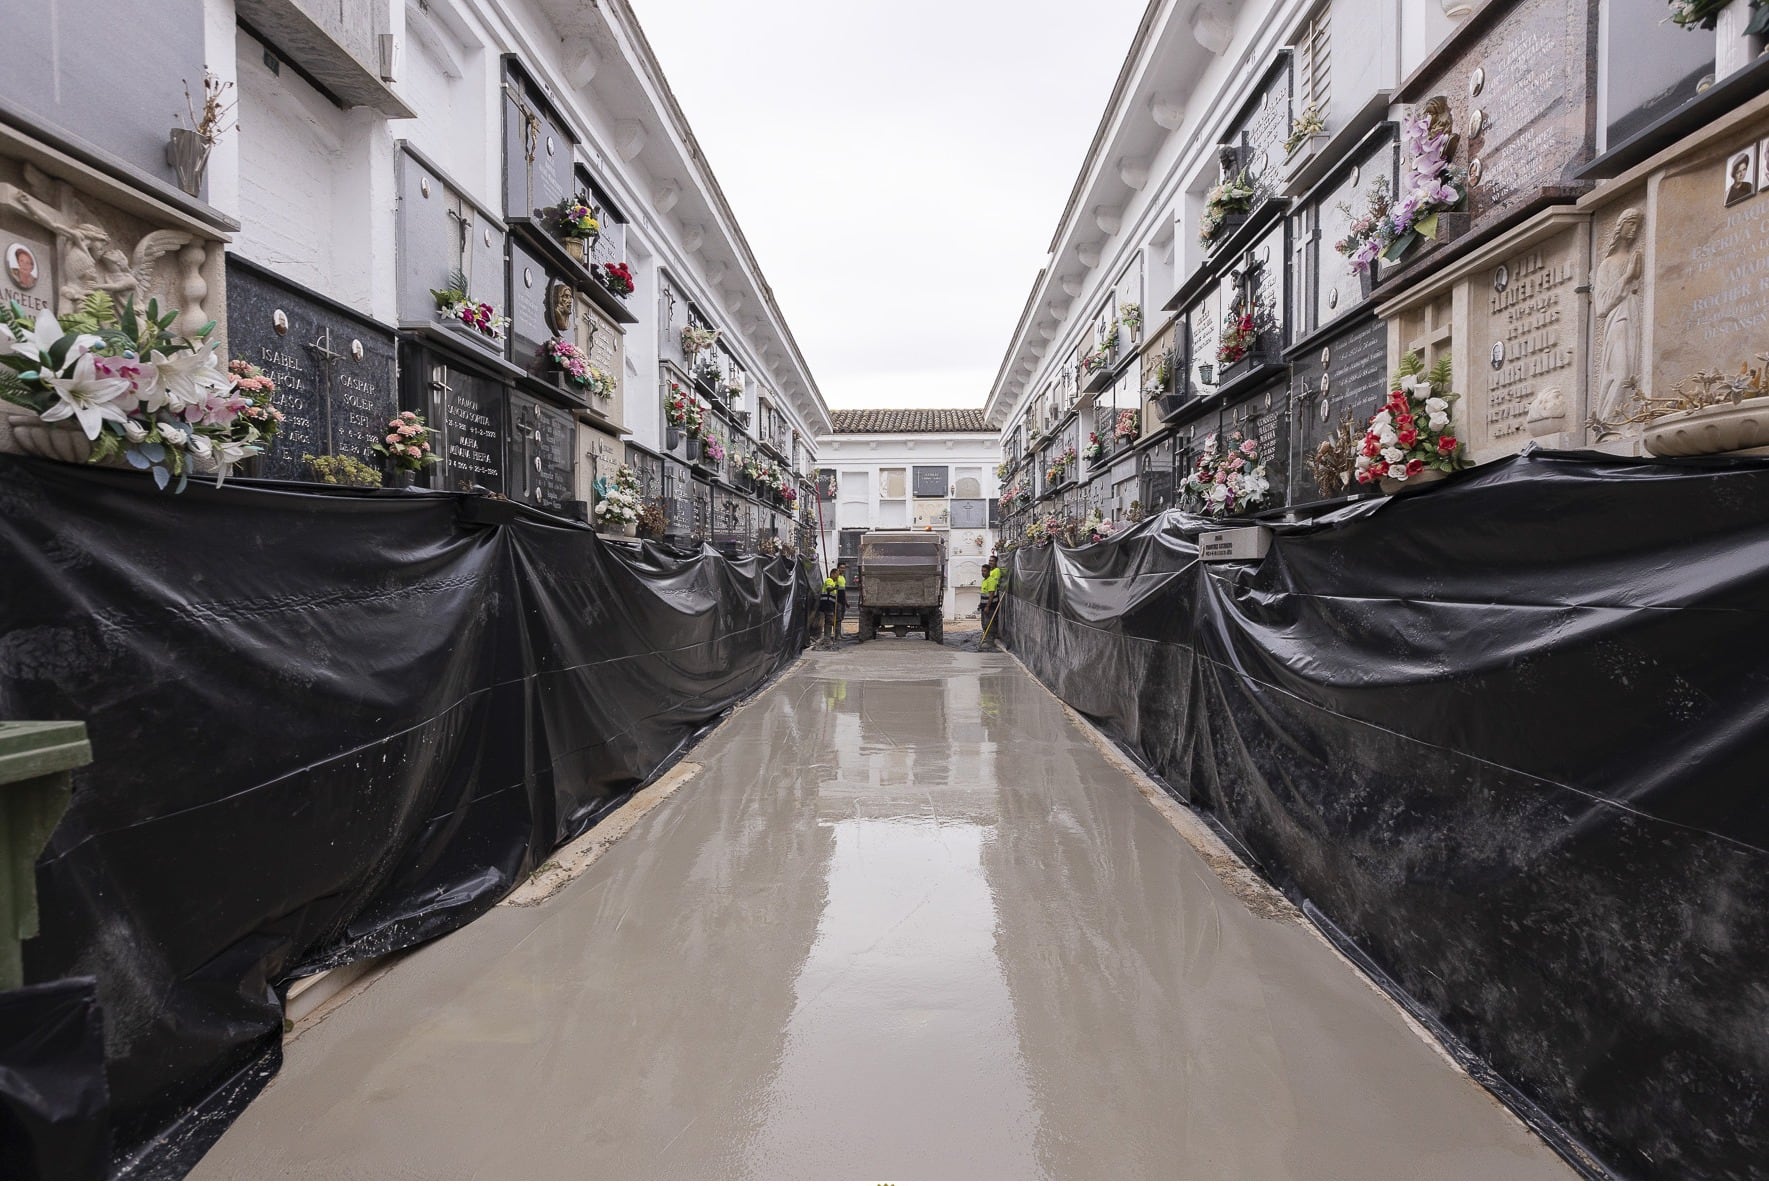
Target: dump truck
902	583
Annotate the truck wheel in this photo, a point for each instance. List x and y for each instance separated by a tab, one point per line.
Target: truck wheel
867	628
936	633
900	631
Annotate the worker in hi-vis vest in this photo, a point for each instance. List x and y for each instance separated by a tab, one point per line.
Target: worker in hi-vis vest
826	603
991	590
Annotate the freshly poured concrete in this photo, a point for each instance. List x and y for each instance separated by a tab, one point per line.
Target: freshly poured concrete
909	922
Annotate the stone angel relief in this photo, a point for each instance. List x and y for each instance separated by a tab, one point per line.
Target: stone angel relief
1616	300
89	260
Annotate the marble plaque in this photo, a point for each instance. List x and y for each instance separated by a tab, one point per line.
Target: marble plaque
542	453
604	342
1529	126
1709	280
529	332
537	155
1262	128
468	410
1524	346
336	373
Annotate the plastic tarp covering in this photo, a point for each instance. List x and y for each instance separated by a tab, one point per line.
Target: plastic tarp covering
1511	737
327	726
54	1110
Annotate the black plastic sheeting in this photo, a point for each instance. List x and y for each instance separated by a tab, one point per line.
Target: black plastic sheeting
1510	734
328	726
54	1109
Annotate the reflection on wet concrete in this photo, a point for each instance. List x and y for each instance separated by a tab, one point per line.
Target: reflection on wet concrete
909	923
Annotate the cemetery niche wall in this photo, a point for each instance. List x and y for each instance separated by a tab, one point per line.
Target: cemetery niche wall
554	674
1503	740
1678	299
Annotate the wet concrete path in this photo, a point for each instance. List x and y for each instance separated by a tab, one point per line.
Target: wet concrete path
908	922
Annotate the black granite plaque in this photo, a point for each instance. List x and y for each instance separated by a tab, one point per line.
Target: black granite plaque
1346	374
336	373
543	453
468	411
1264	416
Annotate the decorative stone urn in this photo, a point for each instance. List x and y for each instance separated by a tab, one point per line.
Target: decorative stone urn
1726	428
23	431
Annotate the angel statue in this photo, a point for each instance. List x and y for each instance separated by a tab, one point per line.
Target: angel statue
90	260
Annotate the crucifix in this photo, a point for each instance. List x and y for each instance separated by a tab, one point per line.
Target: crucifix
322	346
463	217
1436	330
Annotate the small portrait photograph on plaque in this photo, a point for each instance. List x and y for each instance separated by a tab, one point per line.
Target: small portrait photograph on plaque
22	265
1741	175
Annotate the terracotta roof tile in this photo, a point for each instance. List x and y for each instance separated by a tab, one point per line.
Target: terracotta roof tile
901	420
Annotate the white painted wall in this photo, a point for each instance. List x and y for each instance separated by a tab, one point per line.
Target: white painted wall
860	458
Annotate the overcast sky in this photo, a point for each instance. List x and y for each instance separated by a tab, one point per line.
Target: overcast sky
898	168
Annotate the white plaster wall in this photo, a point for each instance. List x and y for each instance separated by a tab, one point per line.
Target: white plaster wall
298	166
450	81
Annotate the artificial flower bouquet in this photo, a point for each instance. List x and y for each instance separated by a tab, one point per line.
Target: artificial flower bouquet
1368	233
1096	448
1233	196
1309	123
1129	425
682	410
571	361
260	388
618	279
453	304
617	499
696	338
577	219
1239	336
1410	435
406	444
1227	481
135	390
1431	185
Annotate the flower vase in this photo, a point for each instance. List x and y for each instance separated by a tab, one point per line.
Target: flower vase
1366	282
23	431
1225	231
398	479
672	438
694	448
1742	427
188	154
576	249
1425	477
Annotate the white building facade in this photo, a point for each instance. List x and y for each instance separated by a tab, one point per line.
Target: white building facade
929	469
390	149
